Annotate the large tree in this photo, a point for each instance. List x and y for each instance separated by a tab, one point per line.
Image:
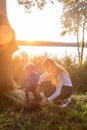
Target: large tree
7	47
8	42
74	20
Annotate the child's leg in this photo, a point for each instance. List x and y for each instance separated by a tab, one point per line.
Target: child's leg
28	89
27	95
37	96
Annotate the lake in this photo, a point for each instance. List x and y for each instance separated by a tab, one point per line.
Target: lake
59	52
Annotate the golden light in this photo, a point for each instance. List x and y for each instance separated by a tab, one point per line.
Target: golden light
38	25
5	34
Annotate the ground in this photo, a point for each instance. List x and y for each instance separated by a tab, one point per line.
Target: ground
15	114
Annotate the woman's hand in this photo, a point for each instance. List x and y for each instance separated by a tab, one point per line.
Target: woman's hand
44	102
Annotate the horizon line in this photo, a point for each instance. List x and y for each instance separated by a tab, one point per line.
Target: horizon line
48	43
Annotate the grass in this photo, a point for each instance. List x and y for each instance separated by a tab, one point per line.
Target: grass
15	114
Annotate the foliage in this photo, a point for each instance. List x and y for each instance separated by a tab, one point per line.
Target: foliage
18	62
78	73
67	62
73	117
29	5
74	15
74	20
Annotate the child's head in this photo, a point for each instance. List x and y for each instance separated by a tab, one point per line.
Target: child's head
29	68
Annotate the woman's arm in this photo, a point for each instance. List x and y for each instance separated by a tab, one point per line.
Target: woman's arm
54	95
43	77
58	89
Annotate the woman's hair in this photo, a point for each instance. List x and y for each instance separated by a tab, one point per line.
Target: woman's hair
48	61
58	68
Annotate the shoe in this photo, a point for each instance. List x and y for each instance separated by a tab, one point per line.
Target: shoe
65	103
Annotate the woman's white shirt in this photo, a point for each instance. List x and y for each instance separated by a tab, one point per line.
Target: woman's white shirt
62	80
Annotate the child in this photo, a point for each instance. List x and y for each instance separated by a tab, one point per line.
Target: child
61	88
30	81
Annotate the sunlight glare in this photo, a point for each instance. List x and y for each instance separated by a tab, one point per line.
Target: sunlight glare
5	34
38	25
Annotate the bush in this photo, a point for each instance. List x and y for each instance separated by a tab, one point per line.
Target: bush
78	76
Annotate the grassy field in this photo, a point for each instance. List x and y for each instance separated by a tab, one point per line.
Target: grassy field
15	114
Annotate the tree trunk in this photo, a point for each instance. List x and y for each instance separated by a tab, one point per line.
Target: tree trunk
3	7
6	79
78	45
7	47
82	49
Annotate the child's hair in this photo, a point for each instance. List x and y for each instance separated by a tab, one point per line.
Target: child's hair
29	67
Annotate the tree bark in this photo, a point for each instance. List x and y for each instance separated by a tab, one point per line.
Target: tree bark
78	45
82	49
3	7
6	79
7	47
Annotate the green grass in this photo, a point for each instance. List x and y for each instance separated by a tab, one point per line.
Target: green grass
15	114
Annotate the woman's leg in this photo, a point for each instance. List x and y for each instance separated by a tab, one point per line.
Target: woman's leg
47	88
66	92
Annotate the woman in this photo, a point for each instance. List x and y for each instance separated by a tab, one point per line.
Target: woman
61	88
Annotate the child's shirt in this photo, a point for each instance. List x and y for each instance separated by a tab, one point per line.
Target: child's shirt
31	79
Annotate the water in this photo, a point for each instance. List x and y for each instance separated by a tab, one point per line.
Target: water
59	52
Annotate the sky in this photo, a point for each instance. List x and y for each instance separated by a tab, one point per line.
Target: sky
40	25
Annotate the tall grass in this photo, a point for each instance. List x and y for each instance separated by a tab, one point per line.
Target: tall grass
78	73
